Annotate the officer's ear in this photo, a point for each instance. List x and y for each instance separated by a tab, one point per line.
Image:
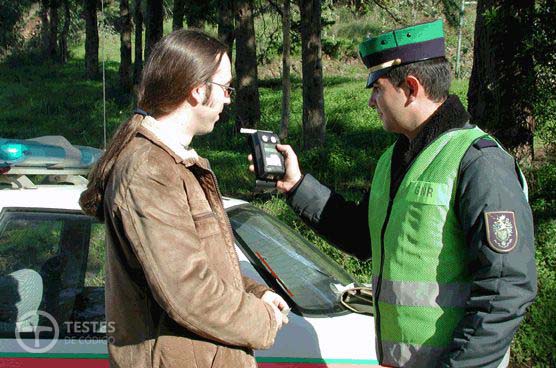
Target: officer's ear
413	88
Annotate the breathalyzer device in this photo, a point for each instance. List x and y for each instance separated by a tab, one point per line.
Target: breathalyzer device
268	162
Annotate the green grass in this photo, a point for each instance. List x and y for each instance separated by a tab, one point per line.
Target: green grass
45	99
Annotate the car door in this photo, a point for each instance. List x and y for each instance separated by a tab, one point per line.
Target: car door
52	306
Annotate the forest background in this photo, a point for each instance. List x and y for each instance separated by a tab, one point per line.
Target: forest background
56	54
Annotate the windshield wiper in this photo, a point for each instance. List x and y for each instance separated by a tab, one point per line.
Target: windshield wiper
358	299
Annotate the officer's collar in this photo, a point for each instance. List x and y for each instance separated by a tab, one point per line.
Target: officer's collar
450	115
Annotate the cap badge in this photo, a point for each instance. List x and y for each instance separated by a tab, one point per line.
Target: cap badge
387	64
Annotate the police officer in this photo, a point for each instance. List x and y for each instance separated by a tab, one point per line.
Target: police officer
446	224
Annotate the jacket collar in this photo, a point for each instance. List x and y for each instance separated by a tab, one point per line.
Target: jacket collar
151	129
450	115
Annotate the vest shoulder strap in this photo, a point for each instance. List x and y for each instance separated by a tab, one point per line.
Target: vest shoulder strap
484	143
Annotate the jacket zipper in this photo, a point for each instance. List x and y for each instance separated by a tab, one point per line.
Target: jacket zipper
379	279
382	233
234	259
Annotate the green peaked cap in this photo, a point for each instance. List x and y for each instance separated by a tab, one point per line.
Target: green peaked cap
402	46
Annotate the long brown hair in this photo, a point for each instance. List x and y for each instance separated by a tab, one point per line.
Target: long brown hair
178	63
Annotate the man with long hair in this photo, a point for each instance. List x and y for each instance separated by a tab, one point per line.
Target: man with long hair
174	292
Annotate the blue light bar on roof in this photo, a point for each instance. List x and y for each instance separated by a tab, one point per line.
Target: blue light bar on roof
46	152
12	152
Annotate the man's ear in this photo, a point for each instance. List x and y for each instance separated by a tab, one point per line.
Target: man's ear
413	87
197	95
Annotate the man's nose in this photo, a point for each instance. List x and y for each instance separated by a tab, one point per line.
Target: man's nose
372	101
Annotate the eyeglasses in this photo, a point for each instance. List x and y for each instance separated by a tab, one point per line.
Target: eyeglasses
228	91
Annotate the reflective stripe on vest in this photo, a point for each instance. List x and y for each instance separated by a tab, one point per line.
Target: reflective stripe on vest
421	281
407	355
424	294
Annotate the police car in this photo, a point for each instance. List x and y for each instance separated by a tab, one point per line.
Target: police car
52	272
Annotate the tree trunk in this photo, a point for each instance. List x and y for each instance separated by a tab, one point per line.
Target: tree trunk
248	111
357	6
52	50
286	65
225	21
64	53
125	46
226	24
153	32
91	39
314	124
138	20
196	13
178	14
502	78
45	26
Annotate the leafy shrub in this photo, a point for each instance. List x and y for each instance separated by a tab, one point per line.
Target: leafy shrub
339	48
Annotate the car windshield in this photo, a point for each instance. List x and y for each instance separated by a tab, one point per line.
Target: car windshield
303	272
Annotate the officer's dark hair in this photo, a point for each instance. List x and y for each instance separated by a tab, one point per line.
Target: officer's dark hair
434	75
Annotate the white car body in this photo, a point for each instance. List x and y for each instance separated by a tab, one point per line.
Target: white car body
339	340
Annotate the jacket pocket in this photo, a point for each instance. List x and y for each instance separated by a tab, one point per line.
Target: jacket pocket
227	356
206	224
217	360
174	352
205	353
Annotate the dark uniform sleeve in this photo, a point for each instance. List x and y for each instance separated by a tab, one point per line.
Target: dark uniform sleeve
504	280
343	223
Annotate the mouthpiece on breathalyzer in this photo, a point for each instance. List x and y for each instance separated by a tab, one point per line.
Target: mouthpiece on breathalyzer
268	162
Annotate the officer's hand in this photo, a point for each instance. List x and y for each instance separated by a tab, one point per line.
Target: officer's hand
276	300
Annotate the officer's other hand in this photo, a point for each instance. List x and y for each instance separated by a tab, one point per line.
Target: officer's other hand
293	173
279	305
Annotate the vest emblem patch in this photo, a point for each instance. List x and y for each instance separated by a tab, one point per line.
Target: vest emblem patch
501	231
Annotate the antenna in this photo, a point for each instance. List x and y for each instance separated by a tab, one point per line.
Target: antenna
103	72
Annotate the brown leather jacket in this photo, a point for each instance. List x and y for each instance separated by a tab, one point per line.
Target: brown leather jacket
174	291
